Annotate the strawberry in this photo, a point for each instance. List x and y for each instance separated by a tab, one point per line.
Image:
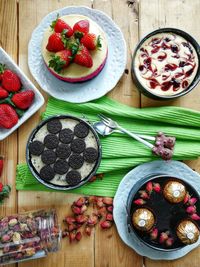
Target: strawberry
81	27
55	43
1	166
91	41
3	93
10	81
83	57
59	25
60	60
24	99
8	116
2	68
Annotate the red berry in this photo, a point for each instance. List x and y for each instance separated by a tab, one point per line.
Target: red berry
8	116
23	100
91	41
60	25
55	43
60	60
83	57
10	81
81	27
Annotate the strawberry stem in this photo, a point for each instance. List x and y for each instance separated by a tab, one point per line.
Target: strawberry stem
54	22
99	45
2	68
19	112
56	63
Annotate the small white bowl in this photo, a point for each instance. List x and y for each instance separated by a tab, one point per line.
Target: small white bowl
27	84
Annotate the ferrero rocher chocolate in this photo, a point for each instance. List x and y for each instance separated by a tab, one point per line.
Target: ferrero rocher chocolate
143	219
174	191
187	232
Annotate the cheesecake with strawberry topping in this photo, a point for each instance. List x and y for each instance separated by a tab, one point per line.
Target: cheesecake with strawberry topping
74	48
166	64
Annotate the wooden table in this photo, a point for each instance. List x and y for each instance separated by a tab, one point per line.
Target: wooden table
17	21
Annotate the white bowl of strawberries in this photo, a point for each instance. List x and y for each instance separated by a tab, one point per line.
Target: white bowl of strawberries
19	98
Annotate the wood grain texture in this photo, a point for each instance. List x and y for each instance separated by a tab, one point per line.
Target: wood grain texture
8	147
180	14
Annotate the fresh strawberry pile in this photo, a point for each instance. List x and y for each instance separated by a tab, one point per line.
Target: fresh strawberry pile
4	189
71	45
102	214
13	101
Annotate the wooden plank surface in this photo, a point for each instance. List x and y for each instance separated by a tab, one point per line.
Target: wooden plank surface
103	249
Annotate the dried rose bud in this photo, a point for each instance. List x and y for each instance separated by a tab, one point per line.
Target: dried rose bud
143	194
163	237
72	227
139	201
76	210
78	236
72	236
100	203
80	202
81	219
65	233
186	198
195	217
93	179
110	209
192	201
108	201
154	234
149	187
169	242
102	212
93	219
106	224
88	230
83	209
156	187
109	217
92	199
191	209
69	220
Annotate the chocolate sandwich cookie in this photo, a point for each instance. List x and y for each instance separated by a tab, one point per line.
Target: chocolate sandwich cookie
51	141
61	166
90	155
48	157
73	177
81	130
78	145
54	126
66	136
47	173
63	151
36	148
76	161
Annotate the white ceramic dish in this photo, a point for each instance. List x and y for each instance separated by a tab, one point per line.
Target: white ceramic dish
27	84
104	82
135	178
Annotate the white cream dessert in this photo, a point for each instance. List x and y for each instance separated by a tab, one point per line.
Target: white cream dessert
52	151
75	72
166	64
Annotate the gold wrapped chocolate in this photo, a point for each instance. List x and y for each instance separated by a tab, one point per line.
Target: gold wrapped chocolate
187	232
143	219
174	191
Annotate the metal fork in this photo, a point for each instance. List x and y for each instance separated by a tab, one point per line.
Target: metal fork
114	125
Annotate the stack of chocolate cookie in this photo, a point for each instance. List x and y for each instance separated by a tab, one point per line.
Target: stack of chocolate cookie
64	151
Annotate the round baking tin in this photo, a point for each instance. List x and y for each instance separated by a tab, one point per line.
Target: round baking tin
196	79
130	209
61	187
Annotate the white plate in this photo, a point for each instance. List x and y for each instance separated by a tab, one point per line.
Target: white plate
27	84
136	178
89	90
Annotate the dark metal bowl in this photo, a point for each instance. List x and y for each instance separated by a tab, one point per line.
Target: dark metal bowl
37	175
194	83
162	209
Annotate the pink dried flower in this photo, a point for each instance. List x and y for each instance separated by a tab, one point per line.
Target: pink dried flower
191	209
109	217
143	194
154	234
163	237
186	198
149	187
195	217
106	224
78	236
139	201
169	242
192	201
156	187
110	208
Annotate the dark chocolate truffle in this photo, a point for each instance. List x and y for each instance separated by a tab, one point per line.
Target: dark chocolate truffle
81	130
61	166
78	145
63	151
73	177
90	154
48	157
36	148
54	126
187	232
143	219
47	173
51	141
76	161
174	191
66	136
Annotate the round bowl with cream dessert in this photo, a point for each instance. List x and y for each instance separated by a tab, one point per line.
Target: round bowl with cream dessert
166	64
74	48
63	152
